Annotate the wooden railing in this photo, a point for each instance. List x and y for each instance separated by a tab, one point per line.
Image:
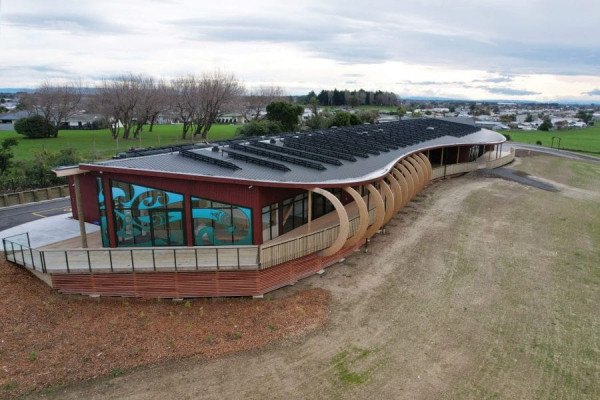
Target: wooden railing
17	249
500	161
279	252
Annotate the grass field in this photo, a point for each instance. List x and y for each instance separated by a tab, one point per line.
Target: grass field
100	144
586	140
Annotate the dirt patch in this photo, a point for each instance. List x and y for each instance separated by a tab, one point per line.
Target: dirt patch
51	339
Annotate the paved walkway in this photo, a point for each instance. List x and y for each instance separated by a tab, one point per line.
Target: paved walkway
49	230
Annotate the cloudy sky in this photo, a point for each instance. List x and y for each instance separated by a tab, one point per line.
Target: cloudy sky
544	50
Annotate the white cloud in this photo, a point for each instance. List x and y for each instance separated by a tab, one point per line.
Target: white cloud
546	50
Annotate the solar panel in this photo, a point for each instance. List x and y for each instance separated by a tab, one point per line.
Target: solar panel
326	152
295	152
207	159
278	156
256	160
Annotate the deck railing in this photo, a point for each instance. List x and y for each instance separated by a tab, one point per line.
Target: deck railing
279	252
18	249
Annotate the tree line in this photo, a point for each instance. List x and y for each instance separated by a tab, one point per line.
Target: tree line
352	98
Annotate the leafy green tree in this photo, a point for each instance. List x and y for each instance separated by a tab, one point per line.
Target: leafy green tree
35	126
584	116
370	116
260	128
285	113
6	154
343	118
529	118
546	125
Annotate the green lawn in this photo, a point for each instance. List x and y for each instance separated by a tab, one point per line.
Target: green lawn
100	144
586	140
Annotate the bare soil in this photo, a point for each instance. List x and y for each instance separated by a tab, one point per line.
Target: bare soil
480	288
48	339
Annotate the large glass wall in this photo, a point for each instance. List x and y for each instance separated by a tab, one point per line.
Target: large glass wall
220	223
295	212
146	216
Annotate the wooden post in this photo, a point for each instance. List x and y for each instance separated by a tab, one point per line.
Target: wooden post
80	215
309	208
442	158
457	153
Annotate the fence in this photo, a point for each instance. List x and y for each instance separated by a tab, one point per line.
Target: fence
502	160
207	258
29	196
290	249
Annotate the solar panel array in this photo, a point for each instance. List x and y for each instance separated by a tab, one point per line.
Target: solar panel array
312	149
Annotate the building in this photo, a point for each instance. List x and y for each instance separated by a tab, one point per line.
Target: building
243	217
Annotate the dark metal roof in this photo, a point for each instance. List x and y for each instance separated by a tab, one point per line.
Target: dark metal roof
329	156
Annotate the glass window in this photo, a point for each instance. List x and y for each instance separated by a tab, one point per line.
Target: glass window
102	212
295	212
147	216
218	223
270	222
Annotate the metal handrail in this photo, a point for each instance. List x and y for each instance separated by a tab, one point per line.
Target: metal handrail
131	259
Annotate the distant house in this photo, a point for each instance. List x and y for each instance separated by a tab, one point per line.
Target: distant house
230	118
84	121
11	118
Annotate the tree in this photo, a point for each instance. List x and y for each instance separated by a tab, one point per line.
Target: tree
35	127
56	103
117	100
260	128
6	154
370	116
257	100
218	92
585	116
529	118
183	97
342	118
287	114
546	125
150	104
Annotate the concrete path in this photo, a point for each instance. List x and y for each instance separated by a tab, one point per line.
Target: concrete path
518	176
555	152
22	213
49	230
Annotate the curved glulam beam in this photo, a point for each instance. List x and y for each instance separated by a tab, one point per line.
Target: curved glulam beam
417	161
428	164
389	200
363	214
414	175
420	158
379	211
403	185
409	179
420	171
339	242
397	192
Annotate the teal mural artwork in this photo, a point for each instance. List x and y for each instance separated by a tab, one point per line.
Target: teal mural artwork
146	216
218	224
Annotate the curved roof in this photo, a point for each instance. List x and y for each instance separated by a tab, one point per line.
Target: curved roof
322	157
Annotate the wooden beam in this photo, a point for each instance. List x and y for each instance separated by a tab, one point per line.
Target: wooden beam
363	217
61	172
339	242
80	215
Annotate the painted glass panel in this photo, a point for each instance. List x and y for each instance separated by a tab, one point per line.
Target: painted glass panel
147	216
217	224
102	209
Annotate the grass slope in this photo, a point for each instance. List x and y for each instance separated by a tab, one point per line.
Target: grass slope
586	140
100	144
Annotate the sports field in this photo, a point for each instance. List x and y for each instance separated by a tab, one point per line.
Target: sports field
585	140
99	144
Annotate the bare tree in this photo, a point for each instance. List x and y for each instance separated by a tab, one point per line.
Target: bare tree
56	102
184	99
117	100
257	100
151	103
218	92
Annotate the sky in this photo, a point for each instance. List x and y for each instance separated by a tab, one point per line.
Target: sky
538	50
